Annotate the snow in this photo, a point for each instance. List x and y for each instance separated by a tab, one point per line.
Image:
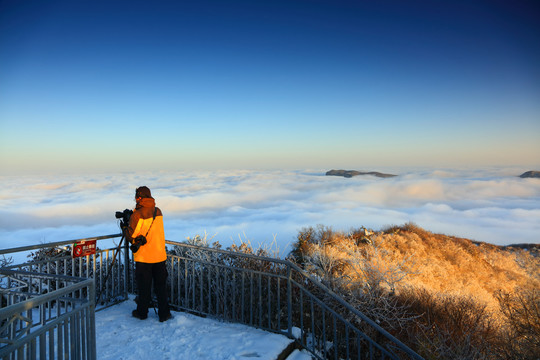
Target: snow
186	336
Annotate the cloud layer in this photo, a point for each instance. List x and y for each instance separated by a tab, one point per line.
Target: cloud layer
495	207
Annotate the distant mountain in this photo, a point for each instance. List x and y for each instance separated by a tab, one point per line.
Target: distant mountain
530	174
351	173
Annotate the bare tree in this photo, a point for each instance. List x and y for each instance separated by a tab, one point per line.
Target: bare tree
376	267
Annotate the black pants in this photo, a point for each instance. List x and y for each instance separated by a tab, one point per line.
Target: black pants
146	273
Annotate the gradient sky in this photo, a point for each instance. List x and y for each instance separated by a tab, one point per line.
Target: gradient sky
111	85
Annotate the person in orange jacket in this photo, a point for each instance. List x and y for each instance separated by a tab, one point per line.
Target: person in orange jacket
146	234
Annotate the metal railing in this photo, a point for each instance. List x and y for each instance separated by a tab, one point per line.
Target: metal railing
46	316
111	282
268	293
48	303
276	295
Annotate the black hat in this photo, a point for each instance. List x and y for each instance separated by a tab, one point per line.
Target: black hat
143	192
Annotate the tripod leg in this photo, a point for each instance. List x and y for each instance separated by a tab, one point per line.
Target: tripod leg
98	298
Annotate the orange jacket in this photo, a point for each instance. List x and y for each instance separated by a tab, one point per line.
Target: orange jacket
139	223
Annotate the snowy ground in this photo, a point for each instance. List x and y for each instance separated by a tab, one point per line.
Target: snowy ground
120	336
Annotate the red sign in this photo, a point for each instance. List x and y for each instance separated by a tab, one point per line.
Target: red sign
83	248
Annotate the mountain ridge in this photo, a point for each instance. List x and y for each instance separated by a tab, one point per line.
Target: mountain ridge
351	173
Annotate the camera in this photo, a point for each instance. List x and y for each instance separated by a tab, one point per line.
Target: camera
137	243
124	216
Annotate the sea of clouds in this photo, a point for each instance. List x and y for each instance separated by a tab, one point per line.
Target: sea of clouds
269	208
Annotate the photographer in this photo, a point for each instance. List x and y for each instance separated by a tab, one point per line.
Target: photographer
145	233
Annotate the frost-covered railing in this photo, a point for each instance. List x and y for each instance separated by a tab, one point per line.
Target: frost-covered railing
44	316
47	309
278	296
111	268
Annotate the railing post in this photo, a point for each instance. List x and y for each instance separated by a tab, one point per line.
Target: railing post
91	321
126	268
289	302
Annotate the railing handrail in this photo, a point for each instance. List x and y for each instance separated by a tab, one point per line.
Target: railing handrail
67	278
55	244
228	252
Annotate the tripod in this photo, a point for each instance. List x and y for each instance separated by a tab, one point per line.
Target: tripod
112	263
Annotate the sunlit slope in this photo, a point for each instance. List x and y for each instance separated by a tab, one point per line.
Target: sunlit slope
408	256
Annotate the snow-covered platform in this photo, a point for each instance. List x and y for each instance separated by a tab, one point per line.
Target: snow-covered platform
120	336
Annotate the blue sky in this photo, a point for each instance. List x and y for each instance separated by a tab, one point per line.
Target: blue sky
110	85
